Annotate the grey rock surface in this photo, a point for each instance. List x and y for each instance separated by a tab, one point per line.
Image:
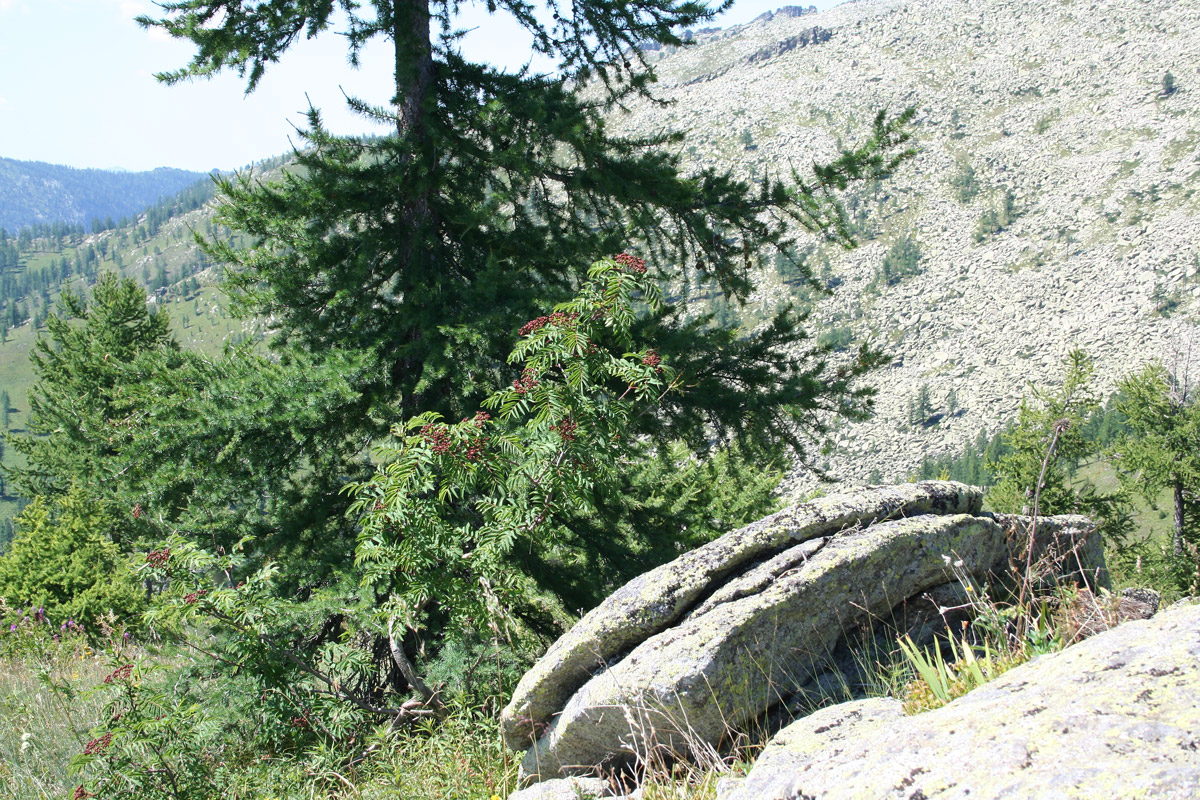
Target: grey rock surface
728	665
658	599
793	749
1116	716
765	617
580	788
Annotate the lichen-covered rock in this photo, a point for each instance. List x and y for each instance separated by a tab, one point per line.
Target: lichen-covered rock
565	789
1115	716
660	598
729	663
1063	540
793	748
744	631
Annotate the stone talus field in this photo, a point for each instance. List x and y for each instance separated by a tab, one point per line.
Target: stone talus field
1059	103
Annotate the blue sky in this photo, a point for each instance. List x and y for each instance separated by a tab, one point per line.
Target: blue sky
77	87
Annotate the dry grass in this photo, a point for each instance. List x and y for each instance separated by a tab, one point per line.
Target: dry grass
41	732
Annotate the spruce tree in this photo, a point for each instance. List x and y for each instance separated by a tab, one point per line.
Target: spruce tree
920	407
81	394
488	197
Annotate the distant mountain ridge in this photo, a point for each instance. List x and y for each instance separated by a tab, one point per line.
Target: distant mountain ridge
33	192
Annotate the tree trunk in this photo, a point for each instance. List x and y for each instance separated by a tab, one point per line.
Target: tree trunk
413	65
406	667
414	76
1177	540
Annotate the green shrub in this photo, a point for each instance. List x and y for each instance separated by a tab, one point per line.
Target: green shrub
1043	124
1169	86
964	184
997	218
839	338
902	261
957	129
64	559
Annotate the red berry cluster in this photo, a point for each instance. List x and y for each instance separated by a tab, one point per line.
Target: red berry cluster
526	382
631	263
653	359
301	722
158	558
558	318
98	747
137	511
191	599
533	325
565	429
475	448
119	674
438	437
81	793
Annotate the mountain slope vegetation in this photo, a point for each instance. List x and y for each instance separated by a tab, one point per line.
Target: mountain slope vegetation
335	568
155	248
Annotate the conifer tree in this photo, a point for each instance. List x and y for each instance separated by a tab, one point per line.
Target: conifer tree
1162	449
427	247
80	394
420	252
65	558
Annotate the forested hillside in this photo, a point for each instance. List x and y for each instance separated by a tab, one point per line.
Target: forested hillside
155	248
33	193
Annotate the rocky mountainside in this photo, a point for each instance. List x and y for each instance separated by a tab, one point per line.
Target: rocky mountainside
1053	203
